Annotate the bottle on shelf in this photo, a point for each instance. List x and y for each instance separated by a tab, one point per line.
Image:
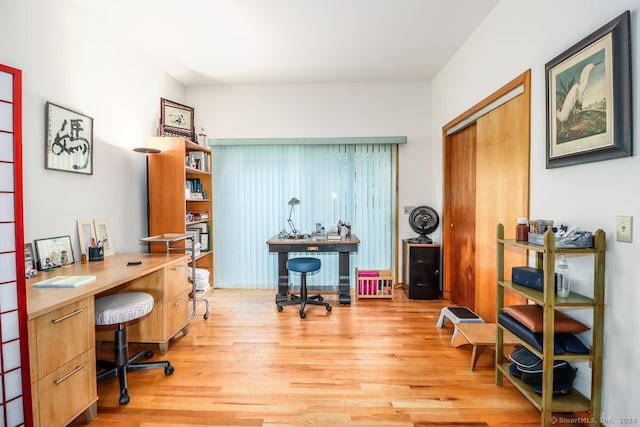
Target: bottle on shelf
562	271
522	230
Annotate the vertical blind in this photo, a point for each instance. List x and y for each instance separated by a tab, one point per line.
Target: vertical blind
252	186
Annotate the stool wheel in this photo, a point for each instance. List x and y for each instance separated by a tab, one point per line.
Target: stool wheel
302	314
148	354
168	370
280	308
124	398
320	298
328	307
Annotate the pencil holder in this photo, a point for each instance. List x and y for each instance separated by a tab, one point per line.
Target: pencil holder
96	254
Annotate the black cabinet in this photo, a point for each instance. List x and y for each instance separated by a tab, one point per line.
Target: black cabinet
421	272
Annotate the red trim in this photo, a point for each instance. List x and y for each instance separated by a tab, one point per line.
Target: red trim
19	229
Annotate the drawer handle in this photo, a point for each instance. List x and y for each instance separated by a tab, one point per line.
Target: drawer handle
313	248
66	316
178	267
75	370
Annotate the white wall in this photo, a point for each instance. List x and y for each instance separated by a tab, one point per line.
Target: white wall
73	62
519	35
329	110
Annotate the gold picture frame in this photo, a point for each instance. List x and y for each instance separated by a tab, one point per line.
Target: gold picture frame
176	120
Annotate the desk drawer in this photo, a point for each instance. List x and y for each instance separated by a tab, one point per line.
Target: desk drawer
176	314
63	334
176	280
68	391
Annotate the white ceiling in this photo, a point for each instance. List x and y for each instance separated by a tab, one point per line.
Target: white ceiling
209	42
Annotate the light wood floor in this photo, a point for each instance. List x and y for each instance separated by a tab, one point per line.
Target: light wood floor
374	363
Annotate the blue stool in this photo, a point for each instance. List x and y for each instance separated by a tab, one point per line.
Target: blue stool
304	265
118	309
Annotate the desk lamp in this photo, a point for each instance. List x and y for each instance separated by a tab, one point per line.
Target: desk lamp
294	232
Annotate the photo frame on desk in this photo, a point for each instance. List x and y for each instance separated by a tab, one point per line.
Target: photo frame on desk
53	252
104	236
588	98
30	267
86	234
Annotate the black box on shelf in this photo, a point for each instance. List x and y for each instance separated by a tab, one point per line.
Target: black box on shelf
528	276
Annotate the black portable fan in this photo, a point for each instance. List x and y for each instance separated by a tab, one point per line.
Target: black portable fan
423	220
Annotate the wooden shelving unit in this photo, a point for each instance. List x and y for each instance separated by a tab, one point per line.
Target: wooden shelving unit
548	300
169	203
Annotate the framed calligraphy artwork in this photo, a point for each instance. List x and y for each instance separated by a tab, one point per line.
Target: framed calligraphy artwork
68	140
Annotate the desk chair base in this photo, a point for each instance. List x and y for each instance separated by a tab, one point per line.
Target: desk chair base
304	299
124	364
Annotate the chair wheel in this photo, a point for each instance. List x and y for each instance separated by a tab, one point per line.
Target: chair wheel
279	308
206	316
168	370
124	398
320	298
148	354
303	314
328	308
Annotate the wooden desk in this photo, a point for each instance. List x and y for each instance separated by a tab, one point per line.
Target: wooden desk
284	246
62	333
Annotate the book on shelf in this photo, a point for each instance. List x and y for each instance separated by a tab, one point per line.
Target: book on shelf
65	281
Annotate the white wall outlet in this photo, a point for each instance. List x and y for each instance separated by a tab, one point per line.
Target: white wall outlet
624	229
408	209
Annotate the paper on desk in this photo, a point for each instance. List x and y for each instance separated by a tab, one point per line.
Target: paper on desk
65	281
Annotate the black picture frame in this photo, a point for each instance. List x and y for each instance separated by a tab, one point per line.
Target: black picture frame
588	91
177	120
29	261
53	252
68	140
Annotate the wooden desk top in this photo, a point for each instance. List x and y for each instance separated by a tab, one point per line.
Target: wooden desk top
111	272
275	240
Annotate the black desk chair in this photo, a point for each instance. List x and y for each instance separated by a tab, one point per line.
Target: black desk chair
119	309
304	265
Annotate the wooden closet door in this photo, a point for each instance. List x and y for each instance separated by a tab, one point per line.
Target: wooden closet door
502	195
486	181
462	226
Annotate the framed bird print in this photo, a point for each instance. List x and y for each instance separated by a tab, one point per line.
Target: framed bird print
589	98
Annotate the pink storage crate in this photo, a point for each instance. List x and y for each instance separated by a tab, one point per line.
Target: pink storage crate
374	283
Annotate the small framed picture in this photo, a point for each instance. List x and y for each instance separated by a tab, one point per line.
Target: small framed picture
103	236
176	120
86	234
68	140
53	252
30	267
204	241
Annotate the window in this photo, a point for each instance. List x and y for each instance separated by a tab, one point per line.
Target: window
253	184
